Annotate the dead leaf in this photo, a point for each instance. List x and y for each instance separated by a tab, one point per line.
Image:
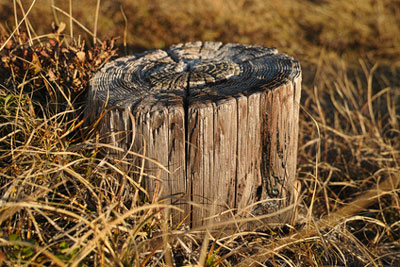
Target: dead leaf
5	59
36	66
9	44
61	27
76	82
81	56
44	53
52	76
52	42
2	258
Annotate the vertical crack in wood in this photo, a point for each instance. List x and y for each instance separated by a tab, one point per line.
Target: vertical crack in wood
237	154
266	149
186	125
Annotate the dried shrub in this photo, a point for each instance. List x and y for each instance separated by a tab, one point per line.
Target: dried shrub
55	68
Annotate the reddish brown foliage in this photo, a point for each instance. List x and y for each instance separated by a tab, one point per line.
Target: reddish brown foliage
55	66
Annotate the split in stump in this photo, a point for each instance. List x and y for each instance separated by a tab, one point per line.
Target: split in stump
223	119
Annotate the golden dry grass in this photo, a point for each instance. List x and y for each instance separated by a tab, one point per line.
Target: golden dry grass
62	204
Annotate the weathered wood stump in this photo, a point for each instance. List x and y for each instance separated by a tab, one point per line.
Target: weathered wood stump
222	118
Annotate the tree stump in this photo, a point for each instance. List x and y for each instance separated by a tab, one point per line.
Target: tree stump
223	119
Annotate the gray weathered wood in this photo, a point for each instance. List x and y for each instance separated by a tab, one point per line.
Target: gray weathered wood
222	118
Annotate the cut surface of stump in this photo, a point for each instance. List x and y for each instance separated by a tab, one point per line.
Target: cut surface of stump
223	119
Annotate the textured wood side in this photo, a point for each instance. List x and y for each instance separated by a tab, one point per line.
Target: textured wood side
154	130
279	109
161	135
177	186
249	151
223	183
200	158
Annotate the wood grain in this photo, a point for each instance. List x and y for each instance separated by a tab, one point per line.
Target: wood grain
223	118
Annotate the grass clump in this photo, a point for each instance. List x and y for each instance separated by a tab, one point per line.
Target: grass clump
60	203
63	203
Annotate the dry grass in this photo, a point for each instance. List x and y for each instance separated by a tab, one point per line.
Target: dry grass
64	204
